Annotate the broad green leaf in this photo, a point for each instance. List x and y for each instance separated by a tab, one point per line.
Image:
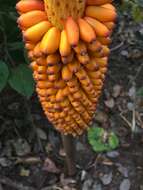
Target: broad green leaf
113	141
26	57
21	80
4	73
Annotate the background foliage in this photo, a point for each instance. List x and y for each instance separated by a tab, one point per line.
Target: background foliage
14	70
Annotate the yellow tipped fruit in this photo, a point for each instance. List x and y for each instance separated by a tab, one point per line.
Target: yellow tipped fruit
24	6
101	13
51	40
31	18
87	33
100	28
36	32
65	47
72	30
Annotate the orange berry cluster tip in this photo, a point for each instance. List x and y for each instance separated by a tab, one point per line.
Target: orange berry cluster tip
69	64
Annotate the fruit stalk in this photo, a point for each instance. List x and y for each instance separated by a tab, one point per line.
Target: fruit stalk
69	147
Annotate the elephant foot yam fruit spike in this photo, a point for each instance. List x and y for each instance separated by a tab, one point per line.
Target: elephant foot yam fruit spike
68	45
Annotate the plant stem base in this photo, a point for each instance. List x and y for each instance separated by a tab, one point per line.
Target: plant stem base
69	147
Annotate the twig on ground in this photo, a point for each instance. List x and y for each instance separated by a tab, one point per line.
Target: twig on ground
52	188
28	160
134	120
18	186
95	162
138	116
117	47
126	121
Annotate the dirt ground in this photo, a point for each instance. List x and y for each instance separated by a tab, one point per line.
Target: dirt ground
31	154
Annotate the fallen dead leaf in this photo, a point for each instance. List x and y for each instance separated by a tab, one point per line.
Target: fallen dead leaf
50	166
24	172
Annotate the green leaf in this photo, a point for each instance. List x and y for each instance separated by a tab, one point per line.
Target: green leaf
99	146
4	73
21	80
26	56
113	141
140	92
95	132
100	140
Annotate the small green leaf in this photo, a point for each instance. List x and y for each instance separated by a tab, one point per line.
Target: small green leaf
21	80
99	146
101	140
95	132
113	141
140	92
4	73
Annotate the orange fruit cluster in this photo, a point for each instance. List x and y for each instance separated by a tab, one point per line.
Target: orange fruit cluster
69	60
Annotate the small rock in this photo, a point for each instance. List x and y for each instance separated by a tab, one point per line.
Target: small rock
125	184
14	106
97	186
132	92
130	106
110	103
116	91
42	135
80	146
62	152
101	117
83	175
106	178
87	184
113	154
122	170
4	162
22	147
125	53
